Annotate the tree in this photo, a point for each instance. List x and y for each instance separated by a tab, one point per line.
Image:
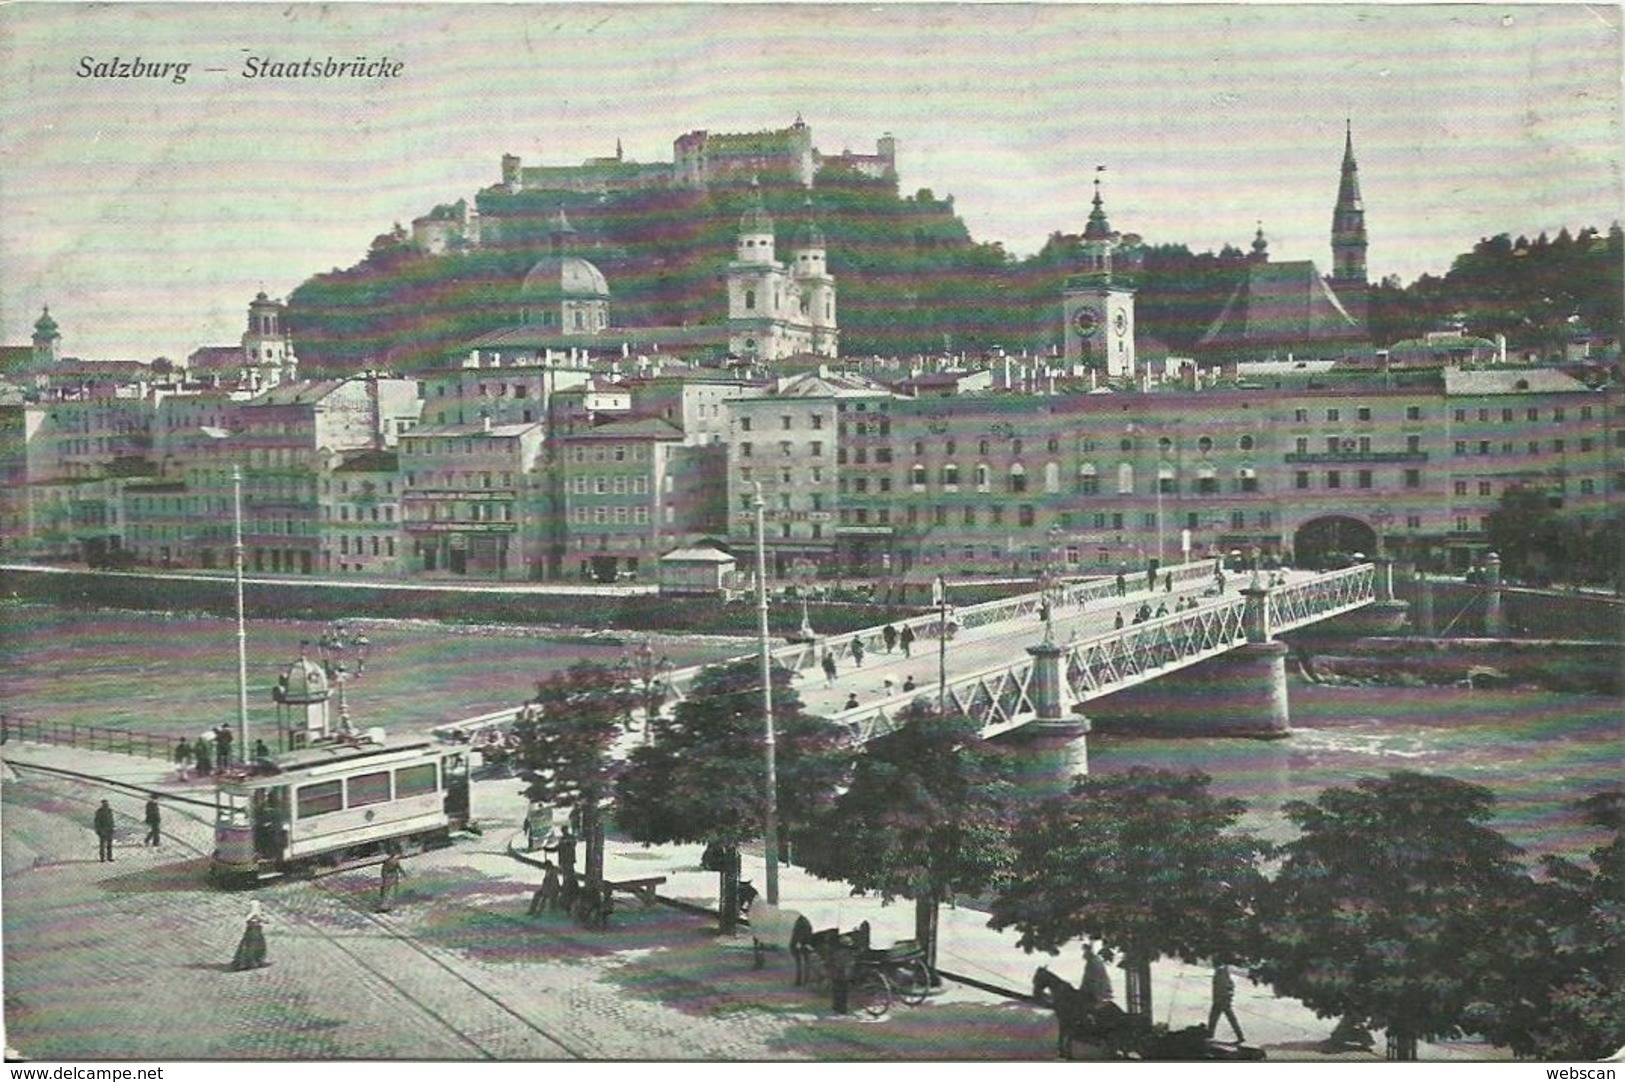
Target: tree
1558	970
926	817
565	740
1527	533
1149	861
1385	903
703	778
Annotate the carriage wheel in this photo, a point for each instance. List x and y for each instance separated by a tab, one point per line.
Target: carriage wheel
872	991
912	982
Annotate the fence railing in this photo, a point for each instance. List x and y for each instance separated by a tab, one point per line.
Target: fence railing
89	737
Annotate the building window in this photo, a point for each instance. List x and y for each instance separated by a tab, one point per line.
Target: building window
1300	479
1485	488
1332	415
1024	515
1334	479
1363	479
1413	413
1018	478
950	477
1413	478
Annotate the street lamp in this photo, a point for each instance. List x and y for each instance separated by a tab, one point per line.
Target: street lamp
1047	588
653	678
344	657
770	811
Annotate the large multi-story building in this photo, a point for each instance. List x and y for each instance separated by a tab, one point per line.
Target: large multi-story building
472	499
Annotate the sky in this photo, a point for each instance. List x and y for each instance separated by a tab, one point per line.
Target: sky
147	213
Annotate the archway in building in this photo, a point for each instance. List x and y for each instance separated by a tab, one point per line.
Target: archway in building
1331	542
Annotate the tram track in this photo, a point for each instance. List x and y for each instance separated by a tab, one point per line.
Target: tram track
390	936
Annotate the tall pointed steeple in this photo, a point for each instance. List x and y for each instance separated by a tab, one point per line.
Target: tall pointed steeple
1348	278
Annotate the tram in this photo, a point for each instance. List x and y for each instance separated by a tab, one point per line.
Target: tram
334	801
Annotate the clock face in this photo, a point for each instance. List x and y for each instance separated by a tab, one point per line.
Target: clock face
1085	320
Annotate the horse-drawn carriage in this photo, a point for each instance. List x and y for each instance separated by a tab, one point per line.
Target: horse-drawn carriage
1102	1023
844	963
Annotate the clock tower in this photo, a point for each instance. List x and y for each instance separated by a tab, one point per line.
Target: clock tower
1098	309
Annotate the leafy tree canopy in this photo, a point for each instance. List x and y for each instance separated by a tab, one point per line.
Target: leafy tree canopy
925	816
1149	861
567	732
703	778
1389	905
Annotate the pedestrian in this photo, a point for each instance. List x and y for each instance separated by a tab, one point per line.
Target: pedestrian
261	751
1168	582
1224	995
857	651
154	819
1151	577
842	960
567	852
390	874
829	667
905	639
851	702
889	634
1097	979
251	953
1162	609
1119	621
183	758
201	757
547	895
222	744
1122	585
104	832
908	683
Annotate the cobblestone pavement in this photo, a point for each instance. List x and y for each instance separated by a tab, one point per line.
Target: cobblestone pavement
129	960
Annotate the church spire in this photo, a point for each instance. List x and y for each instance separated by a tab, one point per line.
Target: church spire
1348	276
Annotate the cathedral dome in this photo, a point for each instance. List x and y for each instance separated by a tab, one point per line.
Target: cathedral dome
568	277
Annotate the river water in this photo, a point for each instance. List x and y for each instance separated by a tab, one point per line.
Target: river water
1537	751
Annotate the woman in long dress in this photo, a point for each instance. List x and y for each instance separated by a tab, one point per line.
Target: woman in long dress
251	949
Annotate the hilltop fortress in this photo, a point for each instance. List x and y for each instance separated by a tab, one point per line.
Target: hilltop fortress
702	158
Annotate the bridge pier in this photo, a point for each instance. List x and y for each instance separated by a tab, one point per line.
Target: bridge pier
1240	693
1050	750
1495	621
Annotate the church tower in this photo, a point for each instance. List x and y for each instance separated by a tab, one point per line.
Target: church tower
1348	279
1096	305
47	343
267	346
757	288
809	269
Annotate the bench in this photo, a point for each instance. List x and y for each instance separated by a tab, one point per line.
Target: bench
642	889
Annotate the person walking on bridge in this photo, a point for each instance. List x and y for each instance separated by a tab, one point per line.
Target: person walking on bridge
104	832
154	819
905	639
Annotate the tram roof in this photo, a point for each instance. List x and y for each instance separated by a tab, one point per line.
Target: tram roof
327	754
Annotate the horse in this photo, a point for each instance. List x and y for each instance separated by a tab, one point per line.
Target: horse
1081	1017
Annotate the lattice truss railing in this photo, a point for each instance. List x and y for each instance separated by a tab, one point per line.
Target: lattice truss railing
1000	698
1321	597
803	657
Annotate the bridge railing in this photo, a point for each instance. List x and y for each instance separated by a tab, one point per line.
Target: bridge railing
1295	605
803	656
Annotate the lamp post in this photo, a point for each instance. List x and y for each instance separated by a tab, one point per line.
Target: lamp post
939	588
770	810
344	657
1047	588
653	678
242	630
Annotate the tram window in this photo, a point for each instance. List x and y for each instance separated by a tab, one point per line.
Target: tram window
368	789
414	780
320	798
